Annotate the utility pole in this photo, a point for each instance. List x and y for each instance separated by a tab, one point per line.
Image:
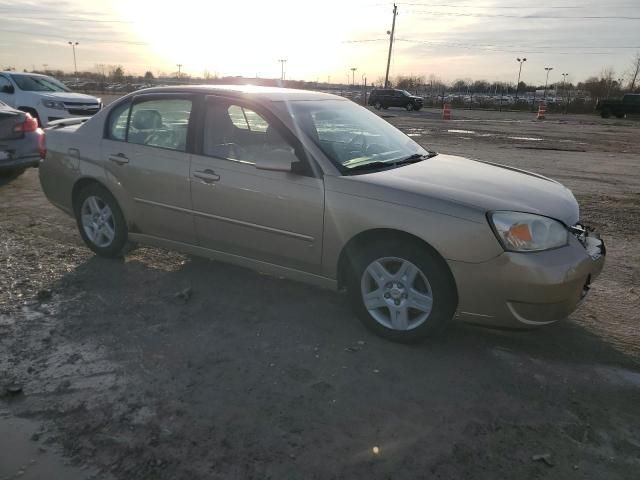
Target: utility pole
353	75
520	61
282	62
391	33
75	65
179	65
548	69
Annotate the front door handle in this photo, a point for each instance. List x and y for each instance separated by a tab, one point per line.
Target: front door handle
119	158
207	176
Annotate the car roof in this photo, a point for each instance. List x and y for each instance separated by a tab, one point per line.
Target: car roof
264	93
11	72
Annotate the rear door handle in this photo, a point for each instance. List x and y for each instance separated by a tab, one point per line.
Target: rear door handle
207	176
119	158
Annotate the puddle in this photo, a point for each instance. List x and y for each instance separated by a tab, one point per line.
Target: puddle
528	139
26	459
469	132
620	376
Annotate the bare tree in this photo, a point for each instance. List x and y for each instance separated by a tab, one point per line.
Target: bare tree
635	69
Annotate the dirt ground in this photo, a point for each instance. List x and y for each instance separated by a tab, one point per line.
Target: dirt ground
107	371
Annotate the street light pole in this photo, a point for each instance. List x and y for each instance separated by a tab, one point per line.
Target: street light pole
282	62
353	75
520	61
564	90
548	69
179	65
75	65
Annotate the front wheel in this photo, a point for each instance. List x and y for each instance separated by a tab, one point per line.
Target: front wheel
401	291
100	221
409	107
377	105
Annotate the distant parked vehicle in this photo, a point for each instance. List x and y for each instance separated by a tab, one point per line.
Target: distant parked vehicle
44	97
391	97
629	104
21	141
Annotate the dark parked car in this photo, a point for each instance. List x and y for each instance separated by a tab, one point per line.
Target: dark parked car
391	97
21	141
629	104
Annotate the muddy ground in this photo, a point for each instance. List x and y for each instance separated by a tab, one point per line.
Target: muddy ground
165	366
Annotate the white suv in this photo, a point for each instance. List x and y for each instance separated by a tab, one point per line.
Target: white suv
45	98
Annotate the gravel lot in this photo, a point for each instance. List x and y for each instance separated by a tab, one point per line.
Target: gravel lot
165	366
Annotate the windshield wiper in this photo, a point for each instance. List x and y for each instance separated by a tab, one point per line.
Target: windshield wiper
415	158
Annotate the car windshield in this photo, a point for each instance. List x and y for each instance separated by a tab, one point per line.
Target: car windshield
37	83
352	136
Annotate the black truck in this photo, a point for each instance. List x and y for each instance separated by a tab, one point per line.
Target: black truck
629	104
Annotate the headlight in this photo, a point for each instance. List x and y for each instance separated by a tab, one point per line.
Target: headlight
53	104
526	232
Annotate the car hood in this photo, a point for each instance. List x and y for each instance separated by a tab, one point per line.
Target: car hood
480	185
69	97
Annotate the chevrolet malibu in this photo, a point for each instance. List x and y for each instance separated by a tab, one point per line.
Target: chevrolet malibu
312	187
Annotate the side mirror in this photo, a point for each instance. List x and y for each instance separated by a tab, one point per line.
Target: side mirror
7	89
277	160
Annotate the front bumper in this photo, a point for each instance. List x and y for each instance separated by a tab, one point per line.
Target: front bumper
521	290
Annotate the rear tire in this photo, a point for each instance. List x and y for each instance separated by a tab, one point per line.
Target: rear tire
401	290
12	173
620	115
100	221
605	113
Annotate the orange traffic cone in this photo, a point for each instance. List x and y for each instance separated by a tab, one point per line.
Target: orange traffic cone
446	112
542	110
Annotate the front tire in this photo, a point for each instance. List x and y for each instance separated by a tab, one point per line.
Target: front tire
100	221
377	106
402	291
409	107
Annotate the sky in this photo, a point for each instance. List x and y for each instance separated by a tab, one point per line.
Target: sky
323	40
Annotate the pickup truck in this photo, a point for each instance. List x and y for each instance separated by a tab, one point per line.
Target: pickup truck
629	104
45	98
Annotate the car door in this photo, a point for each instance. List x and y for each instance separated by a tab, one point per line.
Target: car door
271	216
399	99
7	91
146	152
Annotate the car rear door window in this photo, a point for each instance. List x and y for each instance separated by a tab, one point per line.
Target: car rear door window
117	124
161	123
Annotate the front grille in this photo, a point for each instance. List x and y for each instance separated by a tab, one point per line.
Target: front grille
83	112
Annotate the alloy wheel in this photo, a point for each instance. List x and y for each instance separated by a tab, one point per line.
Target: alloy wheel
98	222
396	293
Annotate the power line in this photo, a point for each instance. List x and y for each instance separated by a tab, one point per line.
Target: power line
533	16
58	19
85	39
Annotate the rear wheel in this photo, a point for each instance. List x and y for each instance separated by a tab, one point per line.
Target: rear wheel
377	105
100	221
402	291
12	173
605	113
620	115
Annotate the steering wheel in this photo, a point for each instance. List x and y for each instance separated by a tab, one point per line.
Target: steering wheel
163	138
358	143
